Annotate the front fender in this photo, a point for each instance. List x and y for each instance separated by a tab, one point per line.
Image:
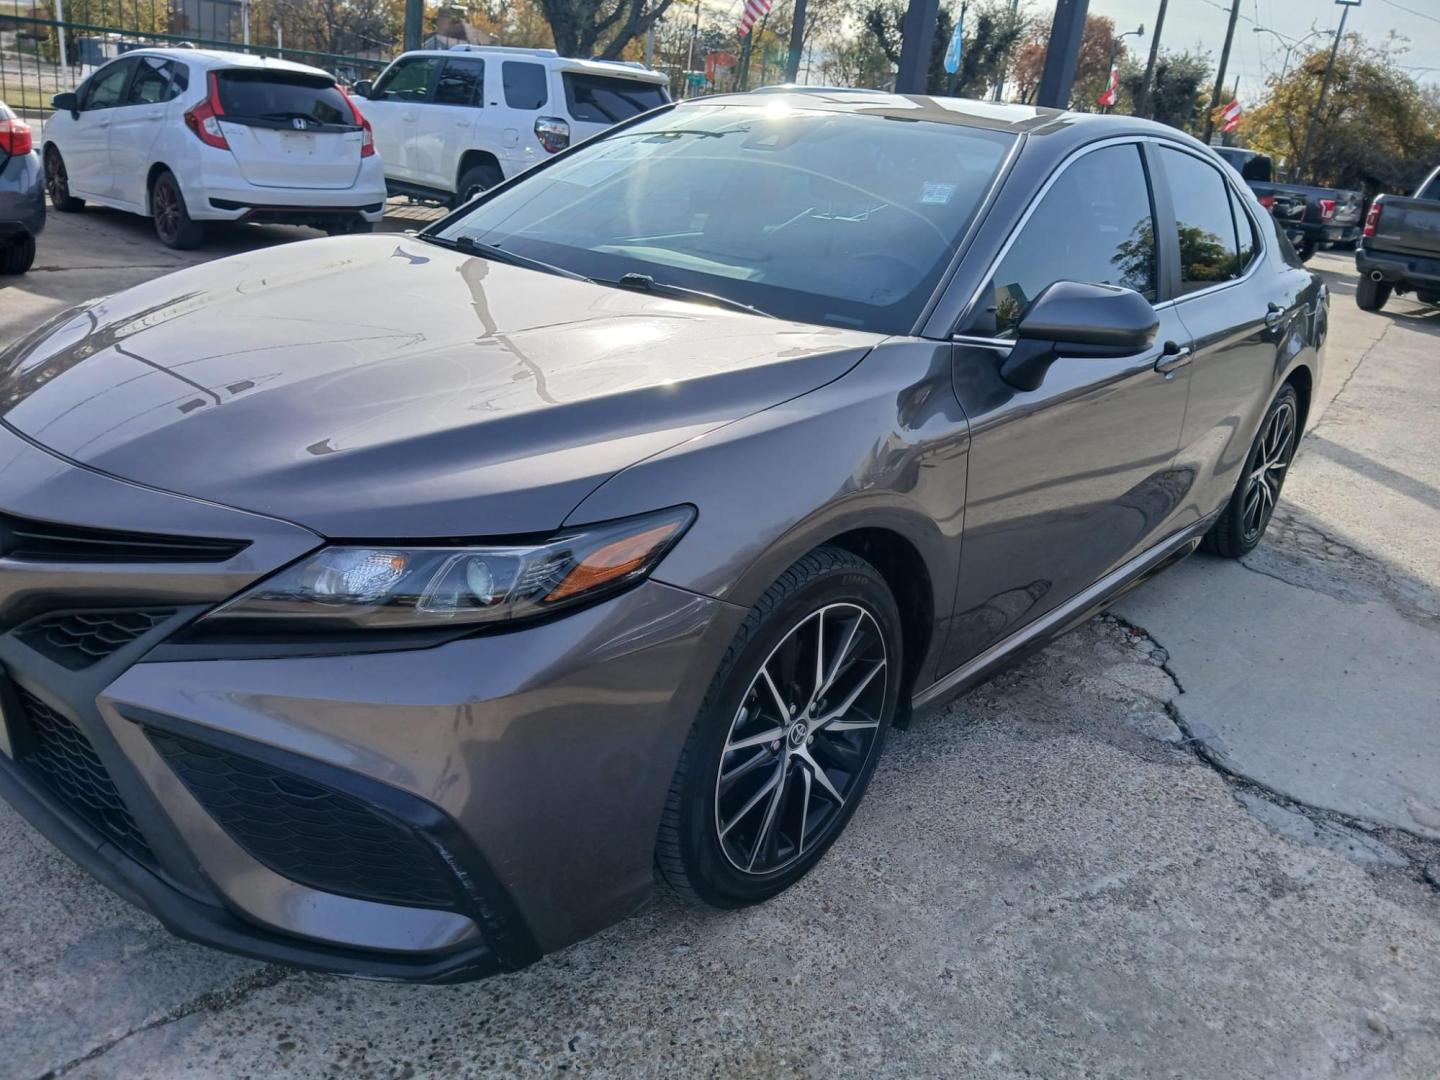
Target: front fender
883	447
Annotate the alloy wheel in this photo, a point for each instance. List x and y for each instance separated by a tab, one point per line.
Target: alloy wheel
800	740
57	184
166	206
1272	458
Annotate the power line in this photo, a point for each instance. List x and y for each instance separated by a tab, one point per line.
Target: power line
1412	11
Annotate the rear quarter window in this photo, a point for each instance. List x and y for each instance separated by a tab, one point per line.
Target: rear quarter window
281	95
605	99
524	85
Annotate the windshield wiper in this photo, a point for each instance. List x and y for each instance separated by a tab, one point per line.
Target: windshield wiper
471	246
646	283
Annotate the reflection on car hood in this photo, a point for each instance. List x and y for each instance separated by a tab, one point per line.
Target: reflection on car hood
379	385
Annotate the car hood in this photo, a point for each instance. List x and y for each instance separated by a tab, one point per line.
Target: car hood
382	386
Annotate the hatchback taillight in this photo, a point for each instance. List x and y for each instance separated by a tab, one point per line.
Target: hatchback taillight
1268	202
15	137
367	137
1372	219
553	133
1327	208
204	119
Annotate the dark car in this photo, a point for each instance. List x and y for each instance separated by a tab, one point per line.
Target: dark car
1400	251
22	193
399	604
1329	215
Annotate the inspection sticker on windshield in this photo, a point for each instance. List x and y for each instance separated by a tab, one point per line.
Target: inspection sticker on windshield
939	194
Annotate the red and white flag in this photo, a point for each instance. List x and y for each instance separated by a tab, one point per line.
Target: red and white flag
1230	116
1107	96
754	9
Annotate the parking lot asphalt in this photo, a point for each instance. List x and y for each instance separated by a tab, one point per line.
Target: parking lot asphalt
1195	838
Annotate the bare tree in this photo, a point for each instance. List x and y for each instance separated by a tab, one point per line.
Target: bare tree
600	27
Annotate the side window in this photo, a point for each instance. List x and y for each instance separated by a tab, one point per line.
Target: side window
1209	253
1093	225
154	82
462	82
1245	231
106	87
524	84
407	80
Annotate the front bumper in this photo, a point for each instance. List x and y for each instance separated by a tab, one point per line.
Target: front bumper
432	813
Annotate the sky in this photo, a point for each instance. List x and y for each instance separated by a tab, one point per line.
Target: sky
1201	24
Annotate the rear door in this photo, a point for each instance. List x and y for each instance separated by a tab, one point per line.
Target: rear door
596	102
87	149
137	122
526	93
400	96
289	129
1238	312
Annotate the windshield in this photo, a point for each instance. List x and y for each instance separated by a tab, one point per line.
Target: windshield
834	218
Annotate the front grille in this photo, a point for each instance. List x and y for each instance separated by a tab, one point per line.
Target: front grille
310	833
48	541
77	639
61	757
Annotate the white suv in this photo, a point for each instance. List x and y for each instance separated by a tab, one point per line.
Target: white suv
451	123
187	136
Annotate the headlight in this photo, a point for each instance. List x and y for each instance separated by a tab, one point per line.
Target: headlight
404	586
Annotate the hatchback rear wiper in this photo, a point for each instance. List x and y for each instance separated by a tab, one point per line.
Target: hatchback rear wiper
646	283
471	246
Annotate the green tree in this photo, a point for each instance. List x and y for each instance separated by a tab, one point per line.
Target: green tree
1178	88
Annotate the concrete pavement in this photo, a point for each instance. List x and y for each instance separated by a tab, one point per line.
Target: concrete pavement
1050	877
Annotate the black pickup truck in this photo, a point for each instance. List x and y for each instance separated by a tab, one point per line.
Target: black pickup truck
1330	215
1400	250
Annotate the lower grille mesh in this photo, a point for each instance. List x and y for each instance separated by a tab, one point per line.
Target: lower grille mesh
65	762
78	639
310	833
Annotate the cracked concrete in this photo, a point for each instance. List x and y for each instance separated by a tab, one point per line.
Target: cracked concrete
1060	874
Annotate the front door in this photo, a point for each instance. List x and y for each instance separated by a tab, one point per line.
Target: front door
393	109
87	149
1068	481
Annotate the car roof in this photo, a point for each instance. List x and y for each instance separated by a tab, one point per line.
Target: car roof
220	58
612	68
1032	120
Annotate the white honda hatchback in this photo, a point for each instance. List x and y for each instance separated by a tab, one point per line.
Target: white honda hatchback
187	136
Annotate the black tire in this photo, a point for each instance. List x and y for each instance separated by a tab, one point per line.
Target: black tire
17	255
1372	295
691	855
1307	248
1240	527
474	180
173	224
1428	297
57	183
352	227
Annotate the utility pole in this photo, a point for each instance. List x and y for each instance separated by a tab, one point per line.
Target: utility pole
1142	99
1058	78
690	56
1220	75
1304	163
797	42
414	23
917	37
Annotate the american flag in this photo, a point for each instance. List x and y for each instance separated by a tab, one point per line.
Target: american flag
753	10
1230	116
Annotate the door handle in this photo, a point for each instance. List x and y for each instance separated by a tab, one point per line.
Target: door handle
1273	313
1173	358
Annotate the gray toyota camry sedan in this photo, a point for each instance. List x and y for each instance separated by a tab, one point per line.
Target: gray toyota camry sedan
408	605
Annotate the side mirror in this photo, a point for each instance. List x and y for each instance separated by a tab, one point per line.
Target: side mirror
1071	318
363	87
66	102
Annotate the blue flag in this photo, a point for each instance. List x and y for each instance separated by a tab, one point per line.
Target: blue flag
952	54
